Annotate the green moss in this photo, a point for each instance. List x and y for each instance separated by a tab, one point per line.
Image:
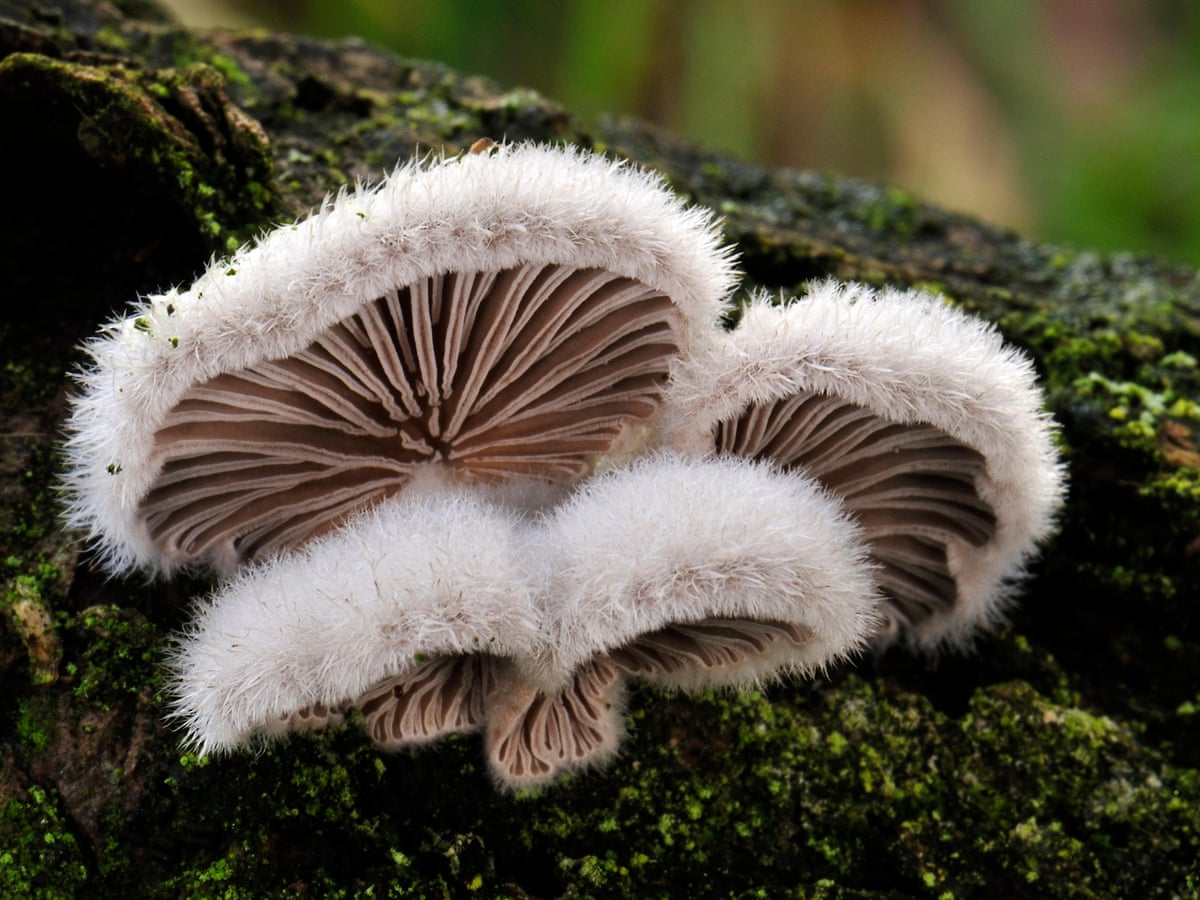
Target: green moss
39	857
121	658
893	211
1115	339
805	791
35	722
228	67
1017	779
174	127
1180	494
111	38
1138	412
1080	782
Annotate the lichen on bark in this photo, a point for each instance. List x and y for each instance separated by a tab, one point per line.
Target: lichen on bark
1060	759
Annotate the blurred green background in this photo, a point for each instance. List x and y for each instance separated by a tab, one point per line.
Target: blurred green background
1076	121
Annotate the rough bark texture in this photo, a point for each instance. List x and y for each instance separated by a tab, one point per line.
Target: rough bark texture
1061	759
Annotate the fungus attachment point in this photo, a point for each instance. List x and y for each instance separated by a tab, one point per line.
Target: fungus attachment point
503	315
686	573
917	417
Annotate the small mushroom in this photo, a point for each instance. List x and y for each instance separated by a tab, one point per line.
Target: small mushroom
917	416
686	573
493	317
404	611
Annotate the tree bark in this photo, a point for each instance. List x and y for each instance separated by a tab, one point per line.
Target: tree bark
1059	759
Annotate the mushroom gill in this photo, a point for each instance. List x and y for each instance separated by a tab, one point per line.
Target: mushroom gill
668	654
911	488
534	735
440	696
529	372
308	718
479	319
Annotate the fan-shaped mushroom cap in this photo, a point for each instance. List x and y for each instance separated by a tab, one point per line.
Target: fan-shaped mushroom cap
693	573
425	588
918	416
511	314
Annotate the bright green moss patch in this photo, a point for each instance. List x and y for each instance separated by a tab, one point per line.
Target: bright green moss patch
121	656
39	857
35	721
764	793
850	783
1141	416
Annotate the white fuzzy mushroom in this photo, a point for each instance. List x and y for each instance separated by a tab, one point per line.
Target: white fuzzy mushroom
689	574
404	611
502	315
427	423
928	427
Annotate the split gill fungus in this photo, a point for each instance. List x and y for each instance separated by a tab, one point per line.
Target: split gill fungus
470	449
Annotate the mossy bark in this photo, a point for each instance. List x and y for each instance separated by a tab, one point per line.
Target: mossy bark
1060	759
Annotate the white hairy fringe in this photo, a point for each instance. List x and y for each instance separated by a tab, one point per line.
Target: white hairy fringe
518	204
422	575
910	358
670	541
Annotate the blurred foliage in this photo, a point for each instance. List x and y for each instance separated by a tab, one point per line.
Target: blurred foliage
1072	120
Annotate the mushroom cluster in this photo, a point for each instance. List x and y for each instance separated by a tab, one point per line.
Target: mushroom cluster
470	449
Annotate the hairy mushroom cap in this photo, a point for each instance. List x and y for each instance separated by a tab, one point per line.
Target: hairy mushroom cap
918	416
500	315
697	573
689	574
404	610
